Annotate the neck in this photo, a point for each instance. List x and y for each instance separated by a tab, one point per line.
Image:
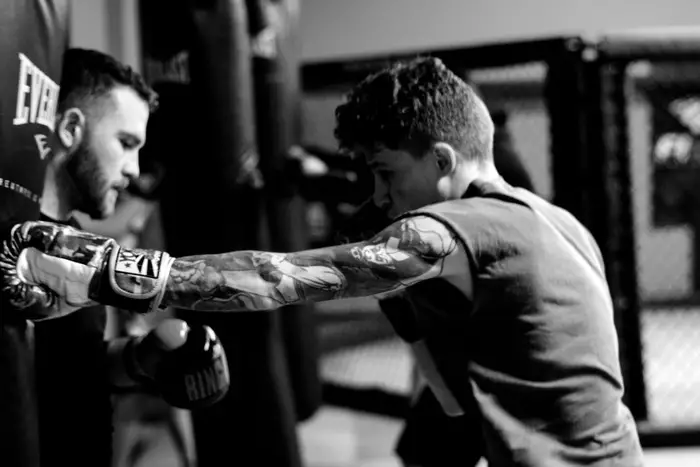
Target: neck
56	200
485	172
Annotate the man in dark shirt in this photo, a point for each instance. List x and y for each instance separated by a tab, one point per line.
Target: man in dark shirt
430	437
103	109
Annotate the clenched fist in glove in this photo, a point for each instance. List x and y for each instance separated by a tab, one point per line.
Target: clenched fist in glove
184	365
48	270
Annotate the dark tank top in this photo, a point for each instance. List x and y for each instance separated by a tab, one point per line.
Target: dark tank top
536	347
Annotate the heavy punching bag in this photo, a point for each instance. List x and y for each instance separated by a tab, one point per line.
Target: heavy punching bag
33	37
212	202
273	27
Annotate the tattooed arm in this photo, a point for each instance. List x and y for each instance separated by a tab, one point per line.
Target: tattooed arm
410	250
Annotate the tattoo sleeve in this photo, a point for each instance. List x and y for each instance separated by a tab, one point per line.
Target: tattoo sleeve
408	251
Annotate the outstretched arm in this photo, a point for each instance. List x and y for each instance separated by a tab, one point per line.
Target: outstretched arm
49	270
408	251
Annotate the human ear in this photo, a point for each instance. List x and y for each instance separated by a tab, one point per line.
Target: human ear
445	158
70	130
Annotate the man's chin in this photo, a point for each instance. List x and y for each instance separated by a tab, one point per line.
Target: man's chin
100	212
106	211
109	204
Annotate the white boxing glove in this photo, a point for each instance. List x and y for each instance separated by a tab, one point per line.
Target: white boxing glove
48	270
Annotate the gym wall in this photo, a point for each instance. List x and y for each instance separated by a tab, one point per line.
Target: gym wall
339	28
336	28
110	26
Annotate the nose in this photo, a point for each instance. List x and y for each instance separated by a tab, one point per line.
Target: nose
131	170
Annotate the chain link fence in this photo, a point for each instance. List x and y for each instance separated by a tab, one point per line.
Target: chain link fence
663	106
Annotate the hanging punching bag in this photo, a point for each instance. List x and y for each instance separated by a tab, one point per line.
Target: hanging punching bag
273	29
33	37
212	164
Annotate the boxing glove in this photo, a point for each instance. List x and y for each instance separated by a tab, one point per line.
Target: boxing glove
50	270
185	365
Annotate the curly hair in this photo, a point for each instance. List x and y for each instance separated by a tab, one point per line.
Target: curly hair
92	74
412	105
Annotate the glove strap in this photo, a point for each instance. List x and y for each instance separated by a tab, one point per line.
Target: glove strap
139	275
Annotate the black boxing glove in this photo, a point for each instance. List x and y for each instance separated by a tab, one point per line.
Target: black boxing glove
51	270
185	365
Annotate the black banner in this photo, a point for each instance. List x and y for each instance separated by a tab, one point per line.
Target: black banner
34	35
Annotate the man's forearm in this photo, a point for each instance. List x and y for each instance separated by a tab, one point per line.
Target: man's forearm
404	253
200	283
256	280
249	280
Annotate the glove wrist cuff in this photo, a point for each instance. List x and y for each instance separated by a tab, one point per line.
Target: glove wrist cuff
134	279
158	304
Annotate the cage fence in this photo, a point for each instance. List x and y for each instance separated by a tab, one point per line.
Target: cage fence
606	128
663	107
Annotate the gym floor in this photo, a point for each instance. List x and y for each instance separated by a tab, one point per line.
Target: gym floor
340	438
